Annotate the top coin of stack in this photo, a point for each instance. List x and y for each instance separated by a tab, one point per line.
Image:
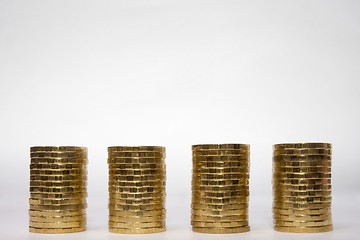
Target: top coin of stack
302	187
220	188
57	189
136	189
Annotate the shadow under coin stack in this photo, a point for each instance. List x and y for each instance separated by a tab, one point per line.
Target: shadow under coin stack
302	187
136	189
220	188
58	189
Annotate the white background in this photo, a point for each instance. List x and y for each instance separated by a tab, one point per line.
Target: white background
177	73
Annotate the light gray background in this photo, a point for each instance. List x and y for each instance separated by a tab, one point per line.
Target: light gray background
177	73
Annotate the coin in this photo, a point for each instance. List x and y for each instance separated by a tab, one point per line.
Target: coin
304	229
57	184
296	218
296	188
136	154
137	184
144	207
81	171
57	166
59	201
57	148
143	160
303	181
77	160
137	230
304	199
136	218
136	148
136	166
302	211
304	170
58	178
70	195
231	200
220	188
56	224
221	218
136	178
125	213
78	218
221	152
279	193
139	172
120	201
302	145
221	230
57	230
244	159
220	206
243	223
301	175
217	212
243	182
130	196
303	223
137	224
230	146
58	206
48	213
297	205
57	154
56	189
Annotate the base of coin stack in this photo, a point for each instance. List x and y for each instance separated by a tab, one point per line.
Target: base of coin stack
57	189
302	187
136	189
220	188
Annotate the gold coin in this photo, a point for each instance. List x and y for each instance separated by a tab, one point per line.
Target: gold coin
56	224
137	224
221	218
318	223
57	230
221	153
58	154
279	193
224	176
59	201
154	200
304	229
220	188
159	161
137	178
221	230
147	207
51	219
306	163
57	184
58	207
302	145
60	178
299	181
80	160
81	172
137	190
136	154
57	189
137	165
221	164
295	205
136	218
240	182
298	188
221	158
203	194
218	212
296	218
231	146
70	195
126	213
243	223
301	175
221	171
303	199
302	211
54	213
142	172
136	196
231	200
57	148
57	166
137	230
137	148
137	184
303	170
239	206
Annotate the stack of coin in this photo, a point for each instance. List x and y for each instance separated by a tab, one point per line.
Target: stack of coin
302	187
220	188
136	189
57	189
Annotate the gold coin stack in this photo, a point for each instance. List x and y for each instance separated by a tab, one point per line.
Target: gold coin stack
136	189
220	188
57	189
302	187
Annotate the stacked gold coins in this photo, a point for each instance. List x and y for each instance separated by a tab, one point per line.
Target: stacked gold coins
136	189
57	189
220	188
302	187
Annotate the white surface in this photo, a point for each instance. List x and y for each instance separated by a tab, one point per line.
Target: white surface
177	73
